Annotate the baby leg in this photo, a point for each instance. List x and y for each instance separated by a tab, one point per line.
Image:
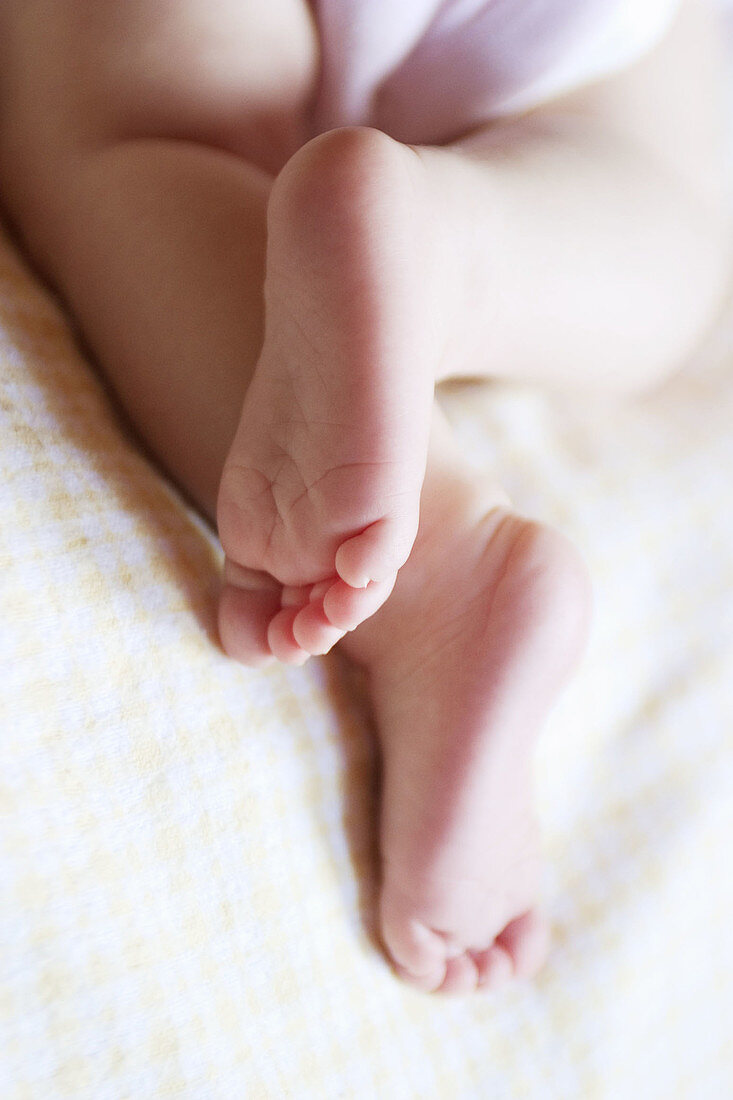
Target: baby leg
547	253
159	247
140	191
322	484
452	661
584	245
145	203
147	199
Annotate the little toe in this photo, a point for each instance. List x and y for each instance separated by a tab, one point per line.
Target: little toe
300	595
376	553
281	640
495	968
429	982
244	615
294	595
346	607
461	975
319	590
526	941
312	630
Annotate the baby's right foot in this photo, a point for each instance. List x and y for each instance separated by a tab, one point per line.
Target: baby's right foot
486	621
318	504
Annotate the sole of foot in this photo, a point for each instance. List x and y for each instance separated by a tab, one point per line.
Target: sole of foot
319	498
486	622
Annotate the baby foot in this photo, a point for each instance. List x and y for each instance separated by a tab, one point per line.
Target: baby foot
486	620
318	504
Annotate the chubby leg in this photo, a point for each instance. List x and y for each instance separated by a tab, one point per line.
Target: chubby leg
159	252
322	484
585	245
159	247
575	246
138	144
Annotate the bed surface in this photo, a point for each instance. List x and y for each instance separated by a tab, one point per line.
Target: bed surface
187	873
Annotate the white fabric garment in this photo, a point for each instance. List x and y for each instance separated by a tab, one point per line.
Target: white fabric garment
426	70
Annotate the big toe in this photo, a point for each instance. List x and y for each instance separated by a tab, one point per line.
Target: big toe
379	550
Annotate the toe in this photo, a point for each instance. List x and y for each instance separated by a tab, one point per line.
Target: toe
244	615
461	975
313	632
526	942
319	590
377	553
495	968
281	640
429	982
417	952
295	595
346	607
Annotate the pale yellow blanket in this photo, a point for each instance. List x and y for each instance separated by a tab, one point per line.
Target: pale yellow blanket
186	847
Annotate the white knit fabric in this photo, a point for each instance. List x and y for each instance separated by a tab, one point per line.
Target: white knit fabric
187	877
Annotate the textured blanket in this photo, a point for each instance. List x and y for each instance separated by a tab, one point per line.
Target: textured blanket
187	873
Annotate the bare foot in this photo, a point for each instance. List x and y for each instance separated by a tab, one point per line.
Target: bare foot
318	505
486	620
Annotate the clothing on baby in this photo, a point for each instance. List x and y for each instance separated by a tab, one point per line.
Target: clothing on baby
427	70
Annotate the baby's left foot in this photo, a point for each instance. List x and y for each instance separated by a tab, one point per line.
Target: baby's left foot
465	659
318	503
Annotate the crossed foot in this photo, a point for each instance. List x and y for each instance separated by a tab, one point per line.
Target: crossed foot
322	483
341	489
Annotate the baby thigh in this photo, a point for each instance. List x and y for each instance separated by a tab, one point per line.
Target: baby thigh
129	168
237	75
